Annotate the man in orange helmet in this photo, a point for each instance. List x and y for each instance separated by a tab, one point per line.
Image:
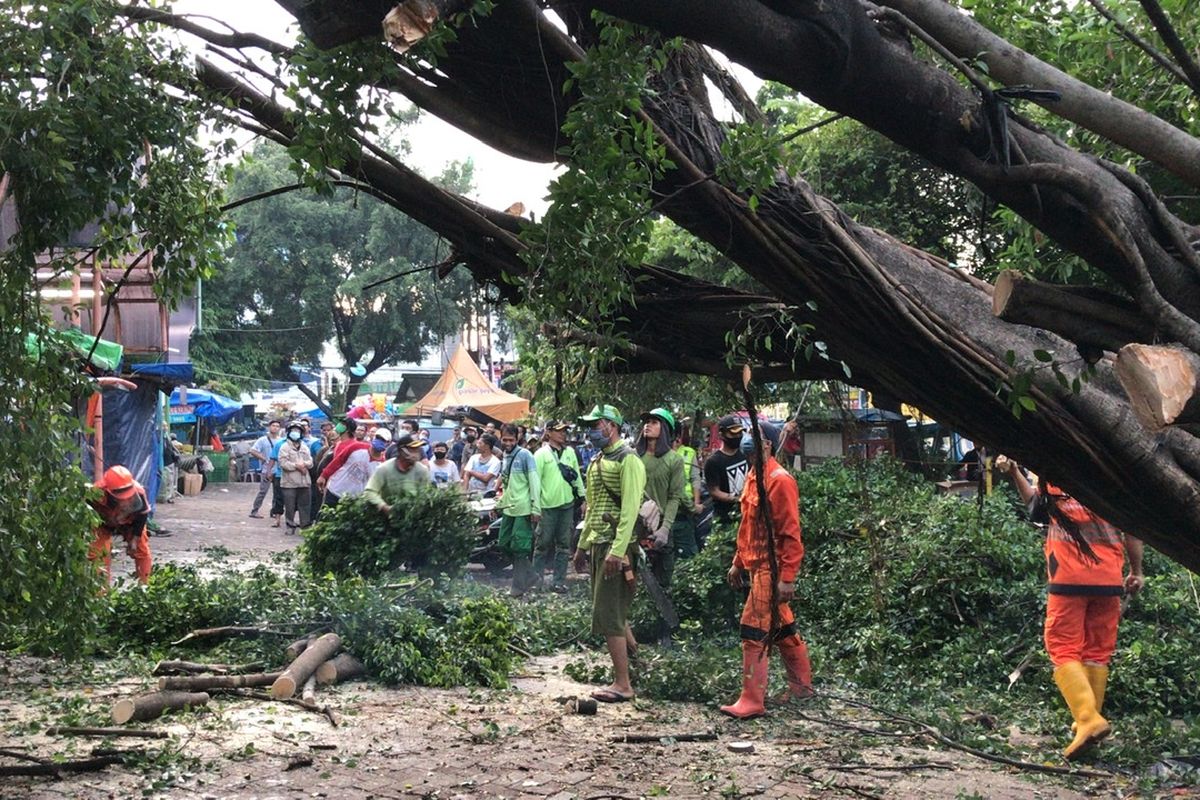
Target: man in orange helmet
123	509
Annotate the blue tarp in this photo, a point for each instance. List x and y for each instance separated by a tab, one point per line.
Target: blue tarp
132	434
313	413
182	372
204	404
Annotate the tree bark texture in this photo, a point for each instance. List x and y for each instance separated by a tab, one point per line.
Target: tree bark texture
900	318
152	706
195	683
343	667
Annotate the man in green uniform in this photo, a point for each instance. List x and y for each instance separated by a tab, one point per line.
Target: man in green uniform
616	481
558	472
664	485
520	507
397	477
683	535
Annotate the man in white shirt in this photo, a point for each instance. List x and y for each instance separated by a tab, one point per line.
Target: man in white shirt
262	451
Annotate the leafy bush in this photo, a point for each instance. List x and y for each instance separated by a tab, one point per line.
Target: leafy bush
432	531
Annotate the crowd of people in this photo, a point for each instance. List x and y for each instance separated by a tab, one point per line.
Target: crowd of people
637	491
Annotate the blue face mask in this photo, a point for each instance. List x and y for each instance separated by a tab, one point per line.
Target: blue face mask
747	445
294	435
596	437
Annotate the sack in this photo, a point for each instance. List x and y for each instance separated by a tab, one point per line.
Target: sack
649	520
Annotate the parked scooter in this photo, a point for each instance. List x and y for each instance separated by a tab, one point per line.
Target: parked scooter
487	535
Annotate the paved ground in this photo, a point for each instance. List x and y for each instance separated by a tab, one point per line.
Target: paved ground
462	743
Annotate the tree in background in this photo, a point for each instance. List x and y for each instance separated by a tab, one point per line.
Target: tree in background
299	276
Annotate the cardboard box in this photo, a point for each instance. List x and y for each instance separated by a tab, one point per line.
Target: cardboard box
190	483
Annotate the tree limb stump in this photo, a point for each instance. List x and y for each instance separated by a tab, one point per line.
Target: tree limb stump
152	706
195	683
1085	315
344	667
305	665
1160	383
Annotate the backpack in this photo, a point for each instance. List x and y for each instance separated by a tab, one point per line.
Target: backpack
650	515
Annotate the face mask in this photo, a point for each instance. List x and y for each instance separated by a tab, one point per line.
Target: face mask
294	435
747	445
596	437
470	437
439	454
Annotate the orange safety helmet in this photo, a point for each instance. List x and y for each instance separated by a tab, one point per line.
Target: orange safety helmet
118	481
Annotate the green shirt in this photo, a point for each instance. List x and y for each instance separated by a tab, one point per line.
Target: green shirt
691	476
389	484
664	483
607	519
556	492
522	489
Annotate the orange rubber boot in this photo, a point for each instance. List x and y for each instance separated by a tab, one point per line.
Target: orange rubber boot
794	651
754	683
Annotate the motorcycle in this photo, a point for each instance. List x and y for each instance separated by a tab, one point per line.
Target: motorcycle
487	535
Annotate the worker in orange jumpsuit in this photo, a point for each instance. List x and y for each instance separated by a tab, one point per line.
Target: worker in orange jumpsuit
1085	561
124	509
783	506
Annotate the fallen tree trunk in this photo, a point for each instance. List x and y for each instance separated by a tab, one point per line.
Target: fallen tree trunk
196	668
340	669
57	768
305	665
1161	384
309	693
296	648
195	683
152	706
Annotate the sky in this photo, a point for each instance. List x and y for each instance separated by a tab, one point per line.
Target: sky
500	180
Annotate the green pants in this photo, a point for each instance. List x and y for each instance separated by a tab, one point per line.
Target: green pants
516	536
611	597
554	542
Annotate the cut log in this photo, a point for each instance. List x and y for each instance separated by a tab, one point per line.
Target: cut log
305	665
195	668
410	21
195	683
309	693
1085	315
340	669
152	706
74	731
57	768
296	648
1160	383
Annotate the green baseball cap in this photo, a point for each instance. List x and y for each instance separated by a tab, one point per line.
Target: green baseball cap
600	412
661	414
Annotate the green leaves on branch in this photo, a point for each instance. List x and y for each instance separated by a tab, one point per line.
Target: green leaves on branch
431	531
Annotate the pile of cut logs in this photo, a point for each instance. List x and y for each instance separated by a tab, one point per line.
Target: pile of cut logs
311	662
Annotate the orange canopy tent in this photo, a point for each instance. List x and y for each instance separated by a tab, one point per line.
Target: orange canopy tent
463	386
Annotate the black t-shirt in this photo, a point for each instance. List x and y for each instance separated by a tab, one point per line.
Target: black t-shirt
727	473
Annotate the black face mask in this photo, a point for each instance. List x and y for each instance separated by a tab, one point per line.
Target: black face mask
439	454
471	437
732	441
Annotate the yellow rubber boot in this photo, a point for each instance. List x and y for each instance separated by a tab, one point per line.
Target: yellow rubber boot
1097	676
1090	727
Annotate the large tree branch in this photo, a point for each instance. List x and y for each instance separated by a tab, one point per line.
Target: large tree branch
1170	37
1100	112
